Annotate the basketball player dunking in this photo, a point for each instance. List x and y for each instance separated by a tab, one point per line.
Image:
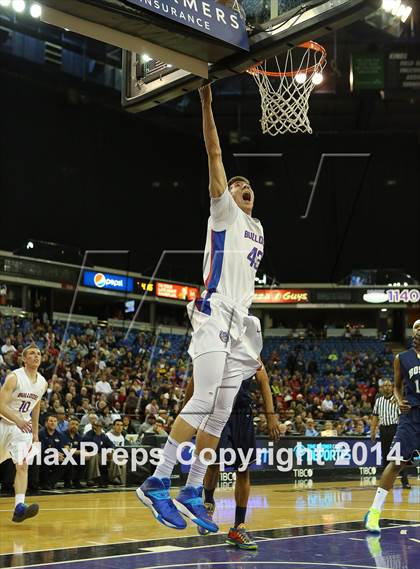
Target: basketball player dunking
20	399
222	329
407	437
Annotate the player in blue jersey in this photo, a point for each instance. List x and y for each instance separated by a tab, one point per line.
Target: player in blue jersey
406	443
239	434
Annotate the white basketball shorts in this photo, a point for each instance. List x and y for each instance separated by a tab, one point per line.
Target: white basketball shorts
14	443
224	327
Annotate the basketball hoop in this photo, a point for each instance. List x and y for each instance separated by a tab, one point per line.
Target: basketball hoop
285	91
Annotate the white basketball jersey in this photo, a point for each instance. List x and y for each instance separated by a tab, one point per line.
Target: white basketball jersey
27	394
234	249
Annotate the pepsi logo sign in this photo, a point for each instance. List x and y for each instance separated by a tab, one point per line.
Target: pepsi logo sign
108	281
101	281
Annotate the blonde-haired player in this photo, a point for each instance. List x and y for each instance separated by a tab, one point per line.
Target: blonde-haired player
20	399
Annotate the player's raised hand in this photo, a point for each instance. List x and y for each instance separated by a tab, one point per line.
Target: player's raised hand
205	94
23	425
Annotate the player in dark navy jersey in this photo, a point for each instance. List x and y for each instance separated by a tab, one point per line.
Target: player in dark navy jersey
239	433
406	443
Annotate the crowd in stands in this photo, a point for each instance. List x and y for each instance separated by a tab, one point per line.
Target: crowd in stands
103	380
302	331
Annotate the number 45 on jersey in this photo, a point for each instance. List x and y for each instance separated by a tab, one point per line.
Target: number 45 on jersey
255	257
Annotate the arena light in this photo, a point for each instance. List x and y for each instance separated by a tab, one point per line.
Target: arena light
388	5
5	3
405	13
397	8
19	6
317	78
300	78
375	297
29	245
36	11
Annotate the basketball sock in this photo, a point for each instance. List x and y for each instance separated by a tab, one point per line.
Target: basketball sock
197	472
380	497
240	514
404	477
209	496
19	499
169	459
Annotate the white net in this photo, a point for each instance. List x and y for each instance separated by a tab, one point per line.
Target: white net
285	91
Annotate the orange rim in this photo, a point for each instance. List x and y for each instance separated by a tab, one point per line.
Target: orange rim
255	70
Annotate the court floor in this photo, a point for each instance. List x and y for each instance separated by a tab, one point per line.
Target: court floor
295	527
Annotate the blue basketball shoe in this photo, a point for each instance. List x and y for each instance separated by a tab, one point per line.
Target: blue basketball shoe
190	503
210	510
154	493
24	512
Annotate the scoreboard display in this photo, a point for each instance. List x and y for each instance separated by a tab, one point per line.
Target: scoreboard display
403	69
397	71
176	291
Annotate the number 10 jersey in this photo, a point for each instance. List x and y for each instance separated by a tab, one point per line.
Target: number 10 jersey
27	394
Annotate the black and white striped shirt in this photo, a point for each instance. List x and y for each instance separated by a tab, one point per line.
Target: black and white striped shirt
386	408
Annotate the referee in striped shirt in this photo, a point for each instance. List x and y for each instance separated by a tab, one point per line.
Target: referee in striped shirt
387	413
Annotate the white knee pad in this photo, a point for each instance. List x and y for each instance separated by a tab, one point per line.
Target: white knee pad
208	375
196	411
215	422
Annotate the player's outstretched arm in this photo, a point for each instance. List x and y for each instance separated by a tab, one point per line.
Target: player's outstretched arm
5	397
398	387
217	174
264	384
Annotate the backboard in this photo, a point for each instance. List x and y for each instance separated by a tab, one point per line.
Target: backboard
185	33
273	26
